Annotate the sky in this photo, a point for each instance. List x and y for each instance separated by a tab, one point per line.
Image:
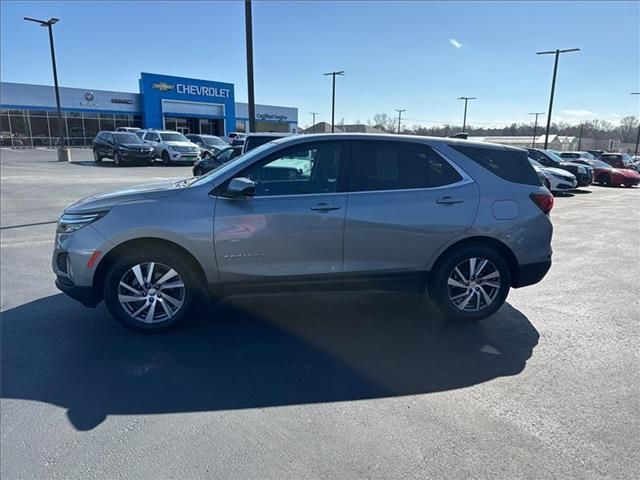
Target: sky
419	56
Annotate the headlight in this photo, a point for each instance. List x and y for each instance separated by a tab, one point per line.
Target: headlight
582	170
70	222
562	177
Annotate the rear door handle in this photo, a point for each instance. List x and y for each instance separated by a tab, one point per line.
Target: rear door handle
325	207
449	200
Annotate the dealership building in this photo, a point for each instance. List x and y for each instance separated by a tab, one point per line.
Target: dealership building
28	116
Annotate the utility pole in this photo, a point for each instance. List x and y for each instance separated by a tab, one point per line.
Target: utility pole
535	128
464	120
580	136
400	117
314	121
63	151
553	85
333	98
248	27
638	137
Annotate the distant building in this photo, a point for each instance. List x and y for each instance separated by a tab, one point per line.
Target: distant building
324	127
556	142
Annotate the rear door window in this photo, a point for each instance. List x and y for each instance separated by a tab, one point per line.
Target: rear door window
511	165
398	166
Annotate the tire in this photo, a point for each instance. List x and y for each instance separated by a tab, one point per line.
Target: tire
197	172
96	156
149	163
604	180
153	312
117	159
165	158
448	287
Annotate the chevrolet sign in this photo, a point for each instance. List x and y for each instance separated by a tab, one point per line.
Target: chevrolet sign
163	86
203	91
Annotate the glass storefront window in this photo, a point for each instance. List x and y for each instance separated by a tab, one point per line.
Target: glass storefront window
241	126
107	122
20	135
5	130
39	130
91	127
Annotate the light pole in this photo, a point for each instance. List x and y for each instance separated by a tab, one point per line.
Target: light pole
464	120
313	114
580	136
63	152
553	85
248	27
535	128
333	98
635	154
400	117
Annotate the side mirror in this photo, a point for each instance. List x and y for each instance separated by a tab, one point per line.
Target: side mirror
240	187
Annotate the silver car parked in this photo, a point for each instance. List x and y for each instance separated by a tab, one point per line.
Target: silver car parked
460	220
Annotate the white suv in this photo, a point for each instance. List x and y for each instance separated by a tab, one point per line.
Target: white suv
170	146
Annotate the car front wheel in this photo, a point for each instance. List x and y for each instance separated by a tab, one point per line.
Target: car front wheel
152	290
471	283
96	156
165	158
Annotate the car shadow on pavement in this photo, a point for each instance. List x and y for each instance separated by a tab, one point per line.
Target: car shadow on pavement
252	352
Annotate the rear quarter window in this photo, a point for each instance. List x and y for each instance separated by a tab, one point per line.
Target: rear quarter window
511	165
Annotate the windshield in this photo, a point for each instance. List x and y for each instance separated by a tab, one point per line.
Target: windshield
534	163
215	141
553	156
127	138
206	178
598	164
173	137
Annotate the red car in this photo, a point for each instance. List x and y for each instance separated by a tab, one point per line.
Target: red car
605	175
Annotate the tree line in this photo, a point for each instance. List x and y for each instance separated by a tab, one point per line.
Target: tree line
626	131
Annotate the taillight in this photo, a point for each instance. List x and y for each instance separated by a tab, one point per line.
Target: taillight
544	200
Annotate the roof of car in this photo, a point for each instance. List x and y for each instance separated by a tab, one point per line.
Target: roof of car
269	134
395	137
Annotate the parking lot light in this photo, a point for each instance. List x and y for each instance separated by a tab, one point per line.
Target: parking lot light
557	53
63	152
400	117
464	119
333	98
638	137
248	25
535	128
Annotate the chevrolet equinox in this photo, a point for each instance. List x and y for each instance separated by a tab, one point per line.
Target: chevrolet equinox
459	220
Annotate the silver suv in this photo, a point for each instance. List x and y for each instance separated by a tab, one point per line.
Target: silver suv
170	146
460	220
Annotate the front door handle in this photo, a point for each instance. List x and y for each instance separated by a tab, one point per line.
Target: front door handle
449	200
324	207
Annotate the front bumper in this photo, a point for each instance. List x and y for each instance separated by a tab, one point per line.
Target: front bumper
137	156
184	157
584	179
531	273
84	295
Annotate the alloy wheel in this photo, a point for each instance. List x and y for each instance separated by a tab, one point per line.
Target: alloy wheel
151	292
473	284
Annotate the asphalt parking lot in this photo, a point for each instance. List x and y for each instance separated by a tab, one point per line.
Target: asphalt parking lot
317	386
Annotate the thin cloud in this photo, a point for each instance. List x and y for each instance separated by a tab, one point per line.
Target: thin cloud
455	43
578	113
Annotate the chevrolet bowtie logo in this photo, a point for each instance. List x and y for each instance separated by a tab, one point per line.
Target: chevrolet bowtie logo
162	86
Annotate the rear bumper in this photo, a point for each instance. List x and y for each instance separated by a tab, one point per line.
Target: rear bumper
84	295
531	273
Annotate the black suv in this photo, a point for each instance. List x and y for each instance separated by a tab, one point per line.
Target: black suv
122	147
583	173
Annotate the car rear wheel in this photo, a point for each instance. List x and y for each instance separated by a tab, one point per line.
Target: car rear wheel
604	180
151	290
165	158
96	156
471	283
